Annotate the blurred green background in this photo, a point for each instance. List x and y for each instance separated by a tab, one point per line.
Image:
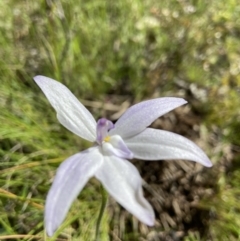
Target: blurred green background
107	53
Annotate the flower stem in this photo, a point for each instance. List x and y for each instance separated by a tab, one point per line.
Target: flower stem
100	216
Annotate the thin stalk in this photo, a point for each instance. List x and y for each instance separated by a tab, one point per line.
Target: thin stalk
101	212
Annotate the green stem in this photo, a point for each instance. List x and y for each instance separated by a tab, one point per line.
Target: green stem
100	216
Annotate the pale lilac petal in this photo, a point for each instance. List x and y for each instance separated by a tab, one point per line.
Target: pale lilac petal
70	112
71	177
116	147
141	115
154	144
122	180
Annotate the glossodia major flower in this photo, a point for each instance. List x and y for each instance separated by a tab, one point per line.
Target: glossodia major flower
113	144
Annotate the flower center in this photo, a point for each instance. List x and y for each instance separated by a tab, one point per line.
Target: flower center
107	139
111	145
103	126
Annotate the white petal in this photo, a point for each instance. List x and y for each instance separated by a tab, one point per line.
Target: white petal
154	144
70	112
116	147
122	180
71	177
141	115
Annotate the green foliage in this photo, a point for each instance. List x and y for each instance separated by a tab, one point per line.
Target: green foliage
225	206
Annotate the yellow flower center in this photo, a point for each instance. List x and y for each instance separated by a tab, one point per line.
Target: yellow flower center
106	139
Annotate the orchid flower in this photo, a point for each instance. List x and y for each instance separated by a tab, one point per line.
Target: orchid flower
113	144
